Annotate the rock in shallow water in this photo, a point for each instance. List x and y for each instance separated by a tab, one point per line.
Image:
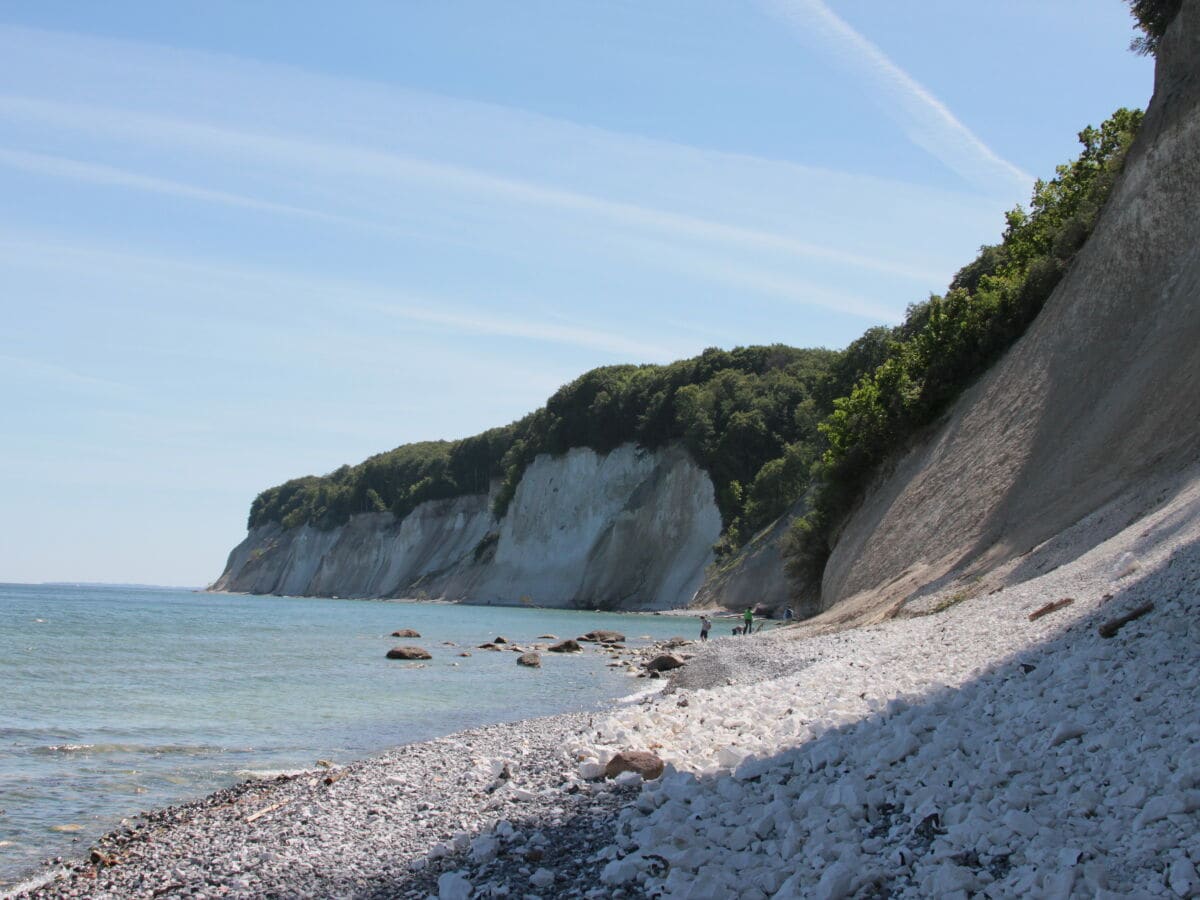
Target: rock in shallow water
532	660
408	652
406	632
602	637
567	646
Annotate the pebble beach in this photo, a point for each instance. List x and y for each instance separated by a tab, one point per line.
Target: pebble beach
1006	745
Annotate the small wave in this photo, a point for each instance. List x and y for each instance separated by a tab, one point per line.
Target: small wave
139	749
267	774
65	748
32	884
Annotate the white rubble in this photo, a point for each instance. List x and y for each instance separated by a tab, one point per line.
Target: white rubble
965	753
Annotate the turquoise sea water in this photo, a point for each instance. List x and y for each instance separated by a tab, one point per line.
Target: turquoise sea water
115	700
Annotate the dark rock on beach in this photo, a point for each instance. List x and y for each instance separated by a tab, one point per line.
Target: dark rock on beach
664	663
567	646
643	762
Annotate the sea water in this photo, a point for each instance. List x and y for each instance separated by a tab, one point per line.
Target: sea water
114	700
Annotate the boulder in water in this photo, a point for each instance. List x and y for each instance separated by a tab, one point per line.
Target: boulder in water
406	632
409	652
532	660
602	637
567	646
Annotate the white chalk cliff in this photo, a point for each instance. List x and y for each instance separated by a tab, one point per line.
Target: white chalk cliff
631	529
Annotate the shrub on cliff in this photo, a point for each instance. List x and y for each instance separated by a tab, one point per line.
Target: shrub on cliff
1152	17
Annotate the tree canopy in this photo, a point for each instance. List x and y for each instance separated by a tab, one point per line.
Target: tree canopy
735	411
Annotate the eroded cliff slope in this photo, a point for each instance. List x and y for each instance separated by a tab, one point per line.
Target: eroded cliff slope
1089	421
631	529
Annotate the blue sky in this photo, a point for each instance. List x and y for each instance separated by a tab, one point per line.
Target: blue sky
245	242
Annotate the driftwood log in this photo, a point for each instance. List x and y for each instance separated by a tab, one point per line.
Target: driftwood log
1108	629
1050	607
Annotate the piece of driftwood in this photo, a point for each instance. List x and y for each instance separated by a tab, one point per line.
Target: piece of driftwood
1050	607
1108	629
266	809
333	777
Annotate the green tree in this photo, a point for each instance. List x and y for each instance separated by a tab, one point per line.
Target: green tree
1152	17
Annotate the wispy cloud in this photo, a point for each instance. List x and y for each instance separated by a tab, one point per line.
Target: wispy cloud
111	176
925	119
19	368
795	290
477	322
380	165
326	293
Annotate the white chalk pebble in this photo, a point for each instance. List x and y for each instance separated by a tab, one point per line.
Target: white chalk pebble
1182	878
542	878
454	886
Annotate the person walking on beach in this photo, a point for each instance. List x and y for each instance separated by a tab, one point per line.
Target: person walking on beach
748	618
705	624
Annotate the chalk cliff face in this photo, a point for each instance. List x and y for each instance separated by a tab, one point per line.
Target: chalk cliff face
632	529
1087	420
756	576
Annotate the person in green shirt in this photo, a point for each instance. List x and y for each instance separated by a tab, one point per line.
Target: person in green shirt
748	618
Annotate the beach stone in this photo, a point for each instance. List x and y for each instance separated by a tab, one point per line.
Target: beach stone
590	770
1183	879
567	646
453	886
602	637
408	652
465	653
664	663
532	660
499	639
406	632
547	637
640	762
487	646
